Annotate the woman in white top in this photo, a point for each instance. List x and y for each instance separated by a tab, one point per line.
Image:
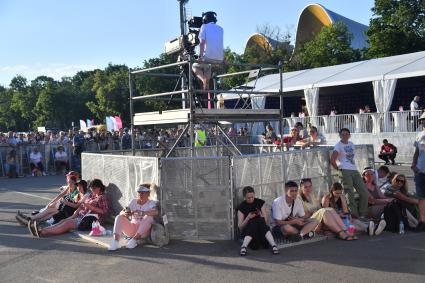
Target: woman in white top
142	211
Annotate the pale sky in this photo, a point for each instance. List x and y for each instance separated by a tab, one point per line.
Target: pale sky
59	38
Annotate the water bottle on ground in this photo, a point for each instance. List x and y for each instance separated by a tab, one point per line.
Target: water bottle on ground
346	222
401	228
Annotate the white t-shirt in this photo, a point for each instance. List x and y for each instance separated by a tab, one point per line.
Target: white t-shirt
135	207
420	144
281	209
61	156
212	34
35	157
345	158
414	107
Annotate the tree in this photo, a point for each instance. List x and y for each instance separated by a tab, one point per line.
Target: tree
331	46
397	27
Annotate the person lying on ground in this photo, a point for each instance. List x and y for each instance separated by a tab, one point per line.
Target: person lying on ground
141	211
337	200
94	208
289	216
327	218
65	197
252	223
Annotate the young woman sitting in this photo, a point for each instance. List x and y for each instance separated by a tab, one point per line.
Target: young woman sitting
94	208
252	223
376	199
325	216
141	210
337	200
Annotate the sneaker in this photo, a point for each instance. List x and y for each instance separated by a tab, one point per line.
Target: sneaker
309	235
371	228
44	174
131	244
21	220
32	175
113	246
380	227
23	216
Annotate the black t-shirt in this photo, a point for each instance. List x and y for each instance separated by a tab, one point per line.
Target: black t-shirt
246	208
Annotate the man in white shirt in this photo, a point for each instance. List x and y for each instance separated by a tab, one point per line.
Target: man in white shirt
36	163
414	111
342	159
418	167
289	216
211	48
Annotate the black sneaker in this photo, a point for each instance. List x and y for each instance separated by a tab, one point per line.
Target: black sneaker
309	235
21	220
23	216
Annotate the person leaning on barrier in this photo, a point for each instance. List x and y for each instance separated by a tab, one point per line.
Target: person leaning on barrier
326	217
200	136
142	211
289	216
94	208
252	223
11	166
344	154
313	139
211	48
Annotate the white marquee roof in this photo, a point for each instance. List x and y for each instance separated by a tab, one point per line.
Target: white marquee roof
400	66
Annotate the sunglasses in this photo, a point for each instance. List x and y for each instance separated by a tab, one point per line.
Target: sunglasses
400	181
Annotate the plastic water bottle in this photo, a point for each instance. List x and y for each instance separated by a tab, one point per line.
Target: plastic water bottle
346	222
401	228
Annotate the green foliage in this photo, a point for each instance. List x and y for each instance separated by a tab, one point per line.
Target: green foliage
397	27
331	46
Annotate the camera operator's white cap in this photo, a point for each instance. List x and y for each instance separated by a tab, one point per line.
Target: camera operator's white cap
143	189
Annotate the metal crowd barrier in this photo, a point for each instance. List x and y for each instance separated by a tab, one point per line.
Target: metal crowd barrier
199	194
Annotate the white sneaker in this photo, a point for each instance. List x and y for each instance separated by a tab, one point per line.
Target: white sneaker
381	227
371	228
114	246
44	174
131	244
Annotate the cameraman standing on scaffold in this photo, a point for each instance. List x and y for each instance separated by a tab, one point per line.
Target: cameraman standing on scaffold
210	47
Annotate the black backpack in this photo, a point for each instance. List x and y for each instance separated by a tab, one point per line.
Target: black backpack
394	213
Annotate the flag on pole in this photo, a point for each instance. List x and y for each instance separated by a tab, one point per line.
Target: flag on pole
83	125
118	121
109	124
89	124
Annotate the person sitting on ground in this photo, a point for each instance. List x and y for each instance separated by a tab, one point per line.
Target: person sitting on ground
388	152
61	159
68	193
313	139
94	208
289	216
142	212
382	176
36	164
325	216
292	139
376	200
11	167
252	223
337	200
399	190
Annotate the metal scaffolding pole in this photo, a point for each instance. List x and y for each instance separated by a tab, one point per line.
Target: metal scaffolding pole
130	82
190	93
281	105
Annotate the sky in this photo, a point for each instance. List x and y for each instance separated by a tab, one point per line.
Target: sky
58	38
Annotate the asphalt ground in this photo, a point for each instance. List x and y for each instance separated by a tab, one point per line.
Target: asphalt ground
68	258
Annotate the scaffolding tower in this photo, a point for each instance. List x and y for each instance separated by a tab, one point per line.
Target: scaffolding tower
191	113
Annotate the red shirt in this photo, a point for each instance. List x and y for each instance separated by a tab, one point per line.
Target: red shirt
387	148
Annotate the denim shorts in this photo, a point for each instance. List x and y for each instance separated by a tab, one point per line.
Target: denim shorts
420	185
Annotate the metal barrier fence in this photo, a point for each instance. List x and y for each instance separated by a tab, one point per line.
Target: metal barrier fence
121	175
197	198
22	157
199	194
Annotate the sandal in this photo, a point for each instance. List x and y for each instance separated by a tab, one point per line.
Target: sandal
275	250
346	238
243	251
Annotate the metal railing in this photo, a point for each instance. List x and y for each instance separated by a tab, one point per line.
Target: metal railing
394	121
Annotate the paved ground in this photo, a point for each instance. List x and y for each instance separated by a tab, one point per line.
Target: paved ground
67	258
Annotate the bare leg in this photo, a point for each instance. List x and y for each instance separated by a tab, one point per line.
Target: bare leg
330	222
422	210
337	219
289	230
60	228
45	214
310	226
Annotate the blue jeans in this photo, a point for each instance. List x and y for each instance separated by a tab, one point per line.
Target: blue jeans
420	185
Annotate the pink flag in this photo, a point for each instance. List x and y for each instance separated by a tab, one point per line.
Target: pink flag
118	121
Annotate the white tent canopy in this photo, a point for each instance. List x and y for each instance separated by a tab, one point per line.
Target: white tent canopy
381	69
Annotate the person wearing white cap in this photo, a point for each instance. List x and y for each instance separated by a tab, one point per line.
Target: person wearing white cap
418	167
141	211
